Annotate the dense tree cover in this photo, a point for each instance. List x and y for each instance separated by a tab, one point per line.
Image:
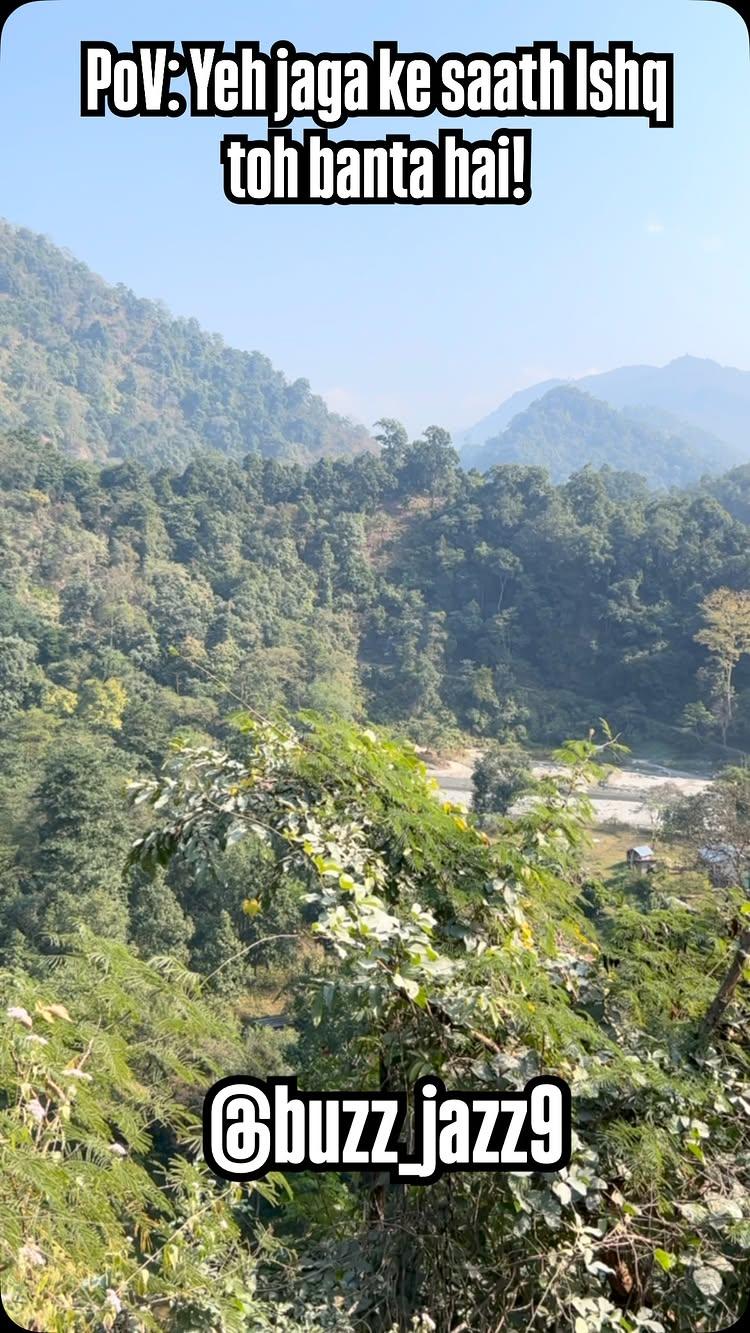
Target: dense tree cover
109	375
733	492
138	611
392	585
726	634
566	429
549	595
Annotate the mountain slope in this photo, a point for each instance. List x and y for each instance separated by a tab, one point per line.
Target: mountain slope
108	375
706	404
492	425
566	429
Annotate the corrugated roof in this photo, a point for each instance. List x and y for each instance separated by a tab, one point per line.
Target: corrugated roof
718	855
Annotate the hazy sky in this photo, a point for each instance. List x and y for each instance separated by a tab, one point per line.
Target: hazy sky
631	250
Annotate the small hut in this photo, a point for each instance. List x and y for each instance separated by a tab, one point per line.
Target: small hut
642	859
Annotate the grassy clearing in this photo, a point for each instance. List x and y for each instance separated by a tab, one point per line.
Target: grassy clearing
608	848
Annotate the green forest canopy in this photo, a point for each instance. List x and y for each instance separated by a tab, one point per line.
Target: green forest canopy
393	586
108	375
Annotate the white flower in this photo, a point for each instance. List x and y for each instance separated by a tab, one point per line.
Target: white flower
118	1150
77	1073
20	1014
36	1110
113	1300
39	1041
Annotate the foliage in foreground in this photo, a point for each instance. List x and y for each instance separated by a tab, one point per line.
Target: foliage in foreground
488	963
436	950
108	1217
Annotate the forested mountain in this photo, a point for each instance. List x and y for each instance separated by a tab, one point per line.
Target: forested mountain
495	422
111	376
694	389
392	585
567	429
692	399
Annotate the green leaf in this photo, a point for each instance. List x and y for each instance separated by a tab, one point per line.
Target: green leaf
665	1260
278	1178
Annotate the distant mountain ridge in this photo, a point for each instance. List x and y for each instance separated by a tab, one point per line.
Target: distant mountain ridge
693	399
567	429
108	375
701	392
491	426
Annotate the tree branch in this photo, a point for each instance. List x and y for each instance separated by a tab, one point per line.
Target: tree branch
726	989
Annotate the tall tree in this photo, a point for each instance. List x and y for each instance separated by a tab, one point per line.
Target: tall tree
726	634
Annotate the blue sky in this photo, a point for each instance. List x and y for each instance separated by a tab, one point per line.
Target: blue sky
631	249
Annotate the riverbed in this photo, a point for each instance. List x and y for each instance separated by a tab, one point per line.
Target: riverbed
631	796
